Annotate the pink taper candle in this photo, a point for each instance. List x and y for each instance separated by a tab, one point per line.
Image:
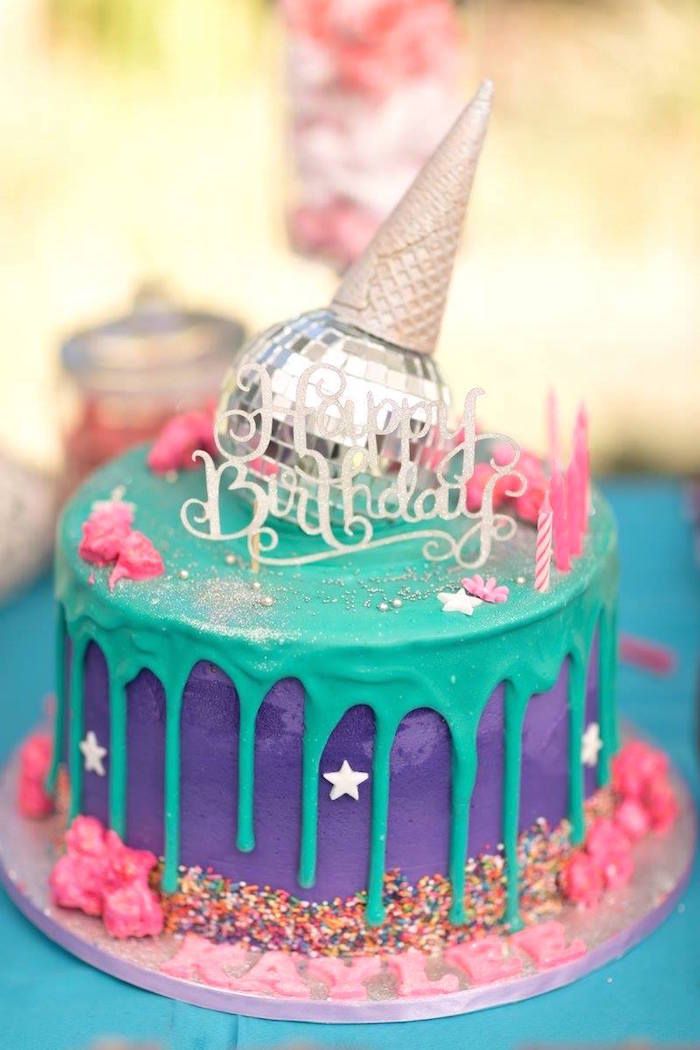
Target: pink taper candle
543	545
562	558
582	455
554	450
574	498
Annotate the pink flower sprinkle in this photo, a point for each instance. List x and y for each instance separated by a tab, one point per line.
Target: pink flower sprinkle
488	590
34	761
138	560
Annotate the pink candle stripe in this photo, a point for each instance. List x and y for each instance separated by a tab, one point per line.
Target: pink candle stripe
562	557
543	545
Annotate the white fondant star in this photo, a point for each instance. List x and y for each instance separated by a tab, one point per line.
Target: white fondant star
345	781
459	602
591	745
93	753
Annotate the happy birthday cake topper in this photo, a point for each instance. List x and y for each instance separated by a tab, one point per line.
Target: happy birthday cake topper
339	419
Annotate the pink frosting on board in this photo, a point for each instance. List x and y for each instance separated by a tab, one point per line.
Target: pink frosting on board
180	437
485	960
34	761
99	875
343	980
547	946
274	973
411	979
104	532
109	539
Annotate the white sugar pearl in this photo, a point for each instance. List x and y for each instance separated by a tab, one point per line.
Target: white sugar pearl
383	606
397	603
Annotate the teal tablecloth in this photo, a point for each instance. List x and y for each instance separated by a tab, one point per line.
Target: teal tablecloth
51	1001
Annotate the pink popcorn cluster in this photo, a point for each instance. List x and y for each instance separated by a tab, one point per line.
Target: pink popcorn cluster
372	88
180	438
34	761
647	803
109	539
99	875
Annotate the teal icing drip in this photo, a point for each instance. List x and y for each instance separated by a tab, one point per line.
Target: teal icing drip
117	754
60	694
381	773
249	702
464	763
577	705
75	758
344	653
609	729
515	701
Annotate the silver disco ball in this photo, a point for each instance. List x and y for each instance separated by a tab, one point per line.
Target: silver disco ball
368	365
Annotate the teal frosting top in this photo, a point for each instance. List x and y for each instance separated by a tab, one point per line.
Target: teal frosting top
322	624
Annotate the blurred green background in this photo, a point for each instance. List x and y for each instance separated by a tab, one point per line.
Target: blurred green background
147	140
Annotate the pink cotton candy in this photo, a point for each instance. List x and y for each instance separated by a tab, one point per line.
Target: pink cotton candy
581	880
34	759
132	910
104	532
180	437
138	560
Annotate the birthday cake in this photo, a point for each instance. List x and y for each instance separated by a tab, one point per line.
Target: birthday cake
337	675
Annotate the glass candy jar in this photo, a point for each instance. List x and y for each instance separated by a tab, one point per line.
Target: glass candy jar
123	379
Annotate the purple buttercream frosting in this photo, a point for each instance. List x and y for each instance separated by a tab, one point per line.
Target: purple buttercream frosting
419	811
